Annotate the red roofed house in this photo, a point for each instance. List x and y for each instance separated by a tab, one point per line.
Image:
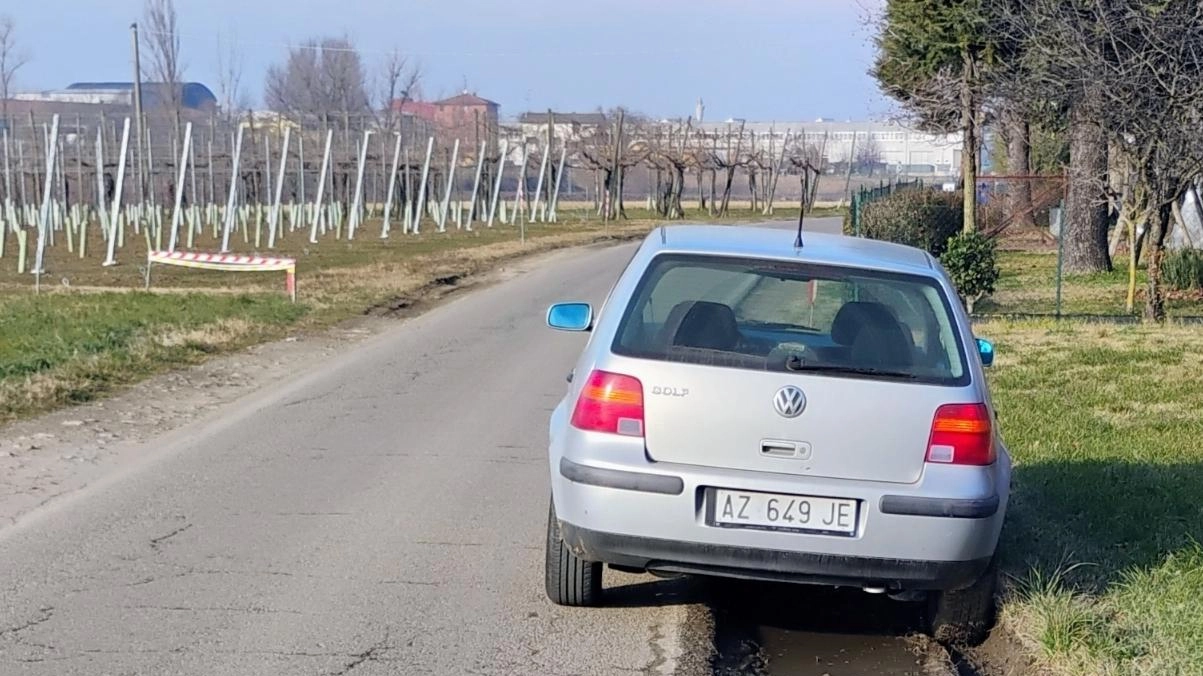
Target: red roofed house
466	117
419	109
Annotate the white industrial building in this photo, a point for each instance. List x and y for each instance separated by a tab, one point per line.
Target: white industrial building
899	149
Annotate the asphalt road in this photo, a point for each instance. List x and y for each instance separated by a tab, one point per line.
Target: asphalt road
384	513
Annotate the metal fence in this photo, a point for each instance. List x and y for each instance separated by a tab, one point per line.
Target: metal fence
865	196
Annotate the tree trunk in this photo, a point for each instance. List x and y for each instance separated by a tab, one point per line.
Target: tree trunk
1086	206
1154	300
752	187
622	209
713	191
722	209
1019	202
675	210
969	142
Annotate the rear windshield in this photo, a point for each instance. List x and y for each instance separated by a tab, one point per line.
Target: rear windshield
786	316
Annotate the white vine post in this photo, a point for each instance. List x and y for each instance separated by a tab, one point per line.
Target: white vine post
115	212
450	186
357	200
392	188
422	188
473	212
407	216
47	187
101	211
179	187
555	195
534	209
233	196
505	147
273	225
321	188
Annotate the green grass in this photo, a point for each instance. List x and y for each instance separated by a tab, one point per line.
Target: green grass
44	333
1028	285
1104	425
70	348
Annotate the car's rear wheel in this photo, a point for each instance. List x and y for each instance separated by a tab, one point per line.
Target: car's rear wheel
964	616
571	581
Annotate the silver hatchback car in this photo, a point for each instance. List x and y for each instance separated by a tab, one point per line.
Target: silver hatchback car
750	409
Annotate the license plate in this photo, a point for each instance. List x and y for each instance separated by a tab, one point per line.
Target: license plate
776	511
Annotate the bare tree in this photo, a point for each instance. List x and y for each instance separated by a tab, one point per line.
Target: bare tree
319	78
11	60
598	152
399	81
808	161
163	45
730	161
231	94
670	153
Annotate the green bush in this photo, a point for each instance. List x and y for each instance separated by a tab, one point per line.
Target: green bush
970	261
1183	269
919	218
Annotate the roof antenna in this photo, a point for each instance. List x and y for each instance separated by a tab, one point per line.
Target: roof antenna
663	235
801	215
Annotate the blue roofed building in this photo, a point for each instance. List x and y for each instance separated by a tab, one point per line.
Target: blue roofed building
193	95
81	96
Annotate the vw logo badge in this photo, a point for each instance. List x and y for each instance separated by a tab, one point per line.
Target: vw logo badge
789	401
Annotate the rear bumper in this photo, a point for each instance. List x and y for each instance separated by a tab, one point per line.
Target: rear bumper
938	533
669	556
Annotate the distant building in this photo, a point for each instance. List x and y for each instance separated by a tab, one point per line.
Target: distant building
469	118
193	96
420	110
565	126
894	147
466	117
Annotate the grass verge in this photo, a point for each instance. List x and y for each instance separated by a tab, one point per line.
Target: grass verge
1102	538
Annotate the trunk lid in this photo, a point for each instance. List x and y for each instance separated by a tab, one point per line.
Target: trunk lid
849	428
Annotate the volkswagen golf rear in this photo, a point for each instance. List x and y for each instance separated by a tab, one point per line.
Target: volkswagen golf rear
747	408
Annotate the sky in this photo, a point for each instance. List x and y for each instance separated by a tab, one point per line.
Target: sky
760	60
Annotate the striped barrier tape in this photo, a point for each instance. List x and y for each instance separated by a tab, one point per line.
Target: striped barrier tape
228	263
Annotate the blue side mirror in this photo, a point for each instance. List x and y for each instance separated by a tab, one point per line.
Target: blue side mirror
570	316
986	349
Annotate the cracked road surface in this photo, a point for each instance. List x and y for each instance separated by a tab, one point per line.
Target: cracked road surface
380	513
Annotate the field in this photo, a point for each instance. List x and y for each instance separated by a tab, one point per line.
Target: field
93	329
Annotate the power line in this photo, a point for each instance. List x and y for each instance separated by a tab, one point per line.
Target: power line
526	51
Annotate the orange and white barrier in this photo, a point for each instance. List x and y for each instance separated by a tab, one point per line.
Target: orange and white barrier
229	263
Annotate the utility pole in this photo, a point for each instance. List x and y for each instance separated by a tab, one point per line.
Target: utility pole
615	191
551	123
138	109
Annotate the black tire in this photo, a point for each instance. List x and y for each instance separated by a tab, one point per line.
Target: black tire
965	616
571	581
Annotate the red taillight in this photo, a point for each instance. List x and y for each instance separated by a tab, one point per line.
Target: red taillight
611	403
960	435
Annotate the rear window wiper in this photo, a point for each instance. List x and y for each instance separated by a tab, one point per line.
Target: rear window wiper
797	365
